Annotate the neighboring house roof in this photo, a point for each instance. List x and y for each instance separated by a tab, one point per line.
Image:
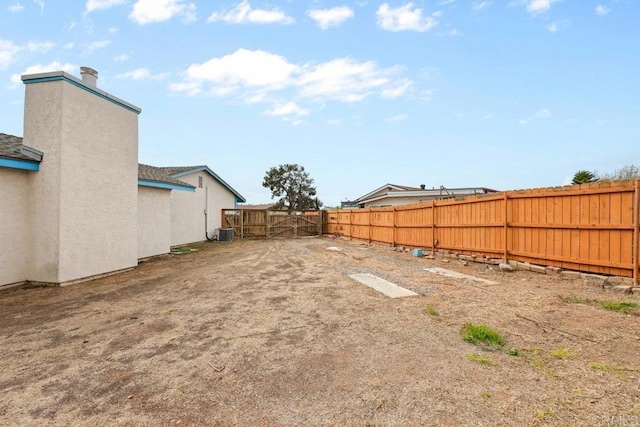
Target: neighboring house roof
178	171
262	207
14	154
152	176
385	189
420	193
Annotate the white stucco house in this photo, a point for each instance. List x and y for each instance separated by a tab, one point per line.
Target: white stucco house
396	195
74	202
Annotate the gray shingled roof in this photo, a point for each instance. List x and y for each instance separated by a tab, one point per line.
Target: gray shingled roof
11	147
172	170
156	174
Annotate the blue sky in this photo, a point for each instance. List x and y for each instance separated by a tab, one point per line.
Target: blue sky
499	94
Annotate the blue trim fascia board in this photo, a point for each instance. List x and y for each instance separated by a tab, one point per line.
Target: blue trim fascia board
216	177
99	93
19	164
165	185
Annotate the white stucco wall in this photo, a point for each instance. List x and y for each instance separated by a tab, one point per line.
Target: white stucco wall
187	208
84	199
154	221
14	227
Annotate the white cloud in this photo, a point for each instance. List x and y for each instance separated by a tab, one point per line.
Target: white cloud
258	77
39	46
142	74
15	8
334	122
327	18
8	52
602	10
543	113
40	3
69	45
401	87
151	11
121	58
38	68
113	30
404	18
536	7
396	119
93	5
479	5
488	116
288	109
555	26
98	45
344	80
243	13
243	68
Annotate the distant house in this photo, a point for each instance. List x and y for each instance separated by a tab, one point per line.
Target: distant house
260	207
396	195
74	202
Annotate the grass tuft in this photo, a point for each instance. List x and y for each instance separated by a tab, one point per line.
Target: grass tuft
619	306
515	352
573	299
562	353
432	311
481	334
480	360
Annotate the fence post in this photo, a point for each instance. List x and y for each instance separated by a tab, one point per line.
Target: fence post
433	227
266	223
241	223
636	231
505	234
394	227
369	225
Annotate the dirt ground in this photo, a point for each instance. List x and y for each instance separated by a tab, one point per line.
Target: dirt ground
276	333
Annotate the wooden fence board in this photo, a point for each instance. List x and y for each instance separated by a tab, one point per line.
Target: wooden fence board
592	227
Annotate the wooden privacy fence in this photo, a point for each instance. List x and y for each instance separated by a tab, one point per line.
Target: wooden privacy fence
591	227
266	224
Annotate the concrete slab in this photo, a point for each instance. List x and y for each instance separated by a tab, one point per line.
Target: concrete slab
384	286
456	275
334	248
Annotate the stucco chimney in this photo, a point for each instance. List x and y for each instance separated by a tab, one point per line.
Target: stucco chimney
89	76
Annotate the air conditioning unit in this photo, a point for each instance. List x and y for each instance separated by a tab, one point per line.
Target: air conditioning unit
225	234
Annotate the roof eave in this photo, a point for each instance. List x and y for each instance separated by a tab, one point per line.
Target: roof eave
12	163
239	197
165	185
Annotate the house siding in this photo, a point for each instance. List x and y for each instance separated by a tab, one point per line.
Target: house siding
14	227
187	208
154	221
84	199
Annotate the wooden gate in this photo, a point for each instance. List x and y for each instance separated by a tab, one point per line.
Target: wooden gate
267	224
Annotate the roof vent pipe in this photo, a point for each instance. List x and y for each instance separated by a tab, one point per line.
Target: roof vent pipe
89	76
